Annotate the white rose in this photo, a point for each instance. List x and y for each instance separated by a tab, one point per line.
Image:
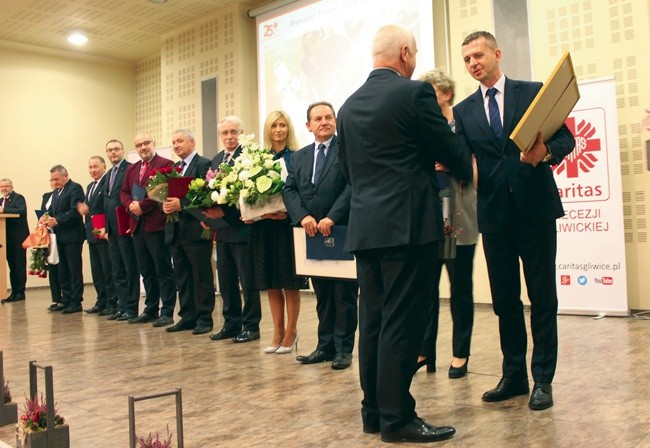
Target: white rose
243	175
230	179
244	193
272	174
246	163
268	164
248	183
212	183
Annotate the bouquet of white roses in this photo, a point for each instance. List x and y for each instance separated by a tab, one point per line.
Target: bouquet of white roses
254	183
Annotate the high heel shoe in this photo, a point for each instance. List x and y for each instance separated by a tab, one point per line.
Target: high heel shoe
430	363
458	372
284	350
271	349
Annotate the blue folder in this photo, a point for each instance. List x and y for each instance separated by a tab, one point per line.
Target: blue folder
330	247
40	213
137	192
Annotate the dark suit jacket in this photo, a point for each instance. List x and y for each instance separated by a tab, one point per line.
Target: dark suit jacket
112	197
390	156
500	170
17	228
152	219
188	227
330	198
96	206
230	228
69	225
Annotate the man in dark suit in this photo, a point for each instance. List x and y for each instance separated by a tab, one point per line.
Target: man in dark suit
68	226
391	133
100	263
518	204
192	265
17	230
233	253
126	277
147	225
52	269
317	196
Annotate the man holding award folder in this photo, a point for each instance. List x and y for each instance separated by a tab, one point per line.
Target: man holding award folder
147	225
317	196
518	204
95	221
126	278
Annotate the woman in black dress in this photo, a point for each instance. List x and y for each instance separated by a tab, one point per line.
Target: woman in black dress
272	245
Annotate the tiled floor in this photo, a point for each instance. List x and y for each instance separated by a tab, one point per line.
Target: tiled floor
236	396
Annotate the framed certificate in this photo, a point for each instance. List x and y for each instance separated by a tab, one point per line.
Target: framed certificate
326	268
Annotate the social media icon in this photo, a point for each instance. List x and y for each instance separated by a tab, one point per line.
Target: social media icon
565	280
582	280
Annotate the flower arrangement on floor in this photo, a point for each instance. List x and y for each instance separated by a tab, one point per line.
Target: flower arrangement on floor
34	416
152	441
6	393
157	188
253	183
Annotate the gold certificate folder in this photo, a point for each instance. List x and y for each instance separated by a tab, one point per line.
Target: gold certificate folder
551	106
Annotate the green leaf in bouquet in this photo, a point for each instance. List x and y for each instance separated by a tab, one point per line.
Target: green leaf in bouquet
263	183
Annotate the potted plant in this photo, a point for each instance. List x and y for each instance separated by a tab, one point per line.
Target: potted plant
152	441
9	411
32	430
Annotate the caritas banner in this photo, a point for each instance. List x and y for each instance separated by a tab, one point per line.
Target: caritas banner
591	241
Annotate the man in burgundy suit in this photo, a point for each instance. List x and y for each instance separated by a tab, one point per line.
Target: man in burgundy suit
147	225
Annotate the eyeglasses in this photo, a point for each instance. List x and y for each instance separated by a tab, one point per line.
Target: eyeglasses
145	143
231	132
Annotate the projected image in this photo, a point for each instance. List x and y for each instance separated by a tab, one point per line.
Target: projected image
322	51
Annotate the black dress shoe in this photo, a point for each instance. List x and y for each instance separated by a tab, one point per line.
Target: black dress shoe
58	307
246	336
418	431
429	362
115	315
342	361
94	310
163	321
72	309
14	298
224	333
542	397
507	388
125	317
315	357
107	312
458	372
181	325
202	329
370	429
142	319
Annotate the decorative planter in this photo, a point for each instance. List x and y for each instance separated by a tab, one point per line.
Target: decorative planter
448	249
9	413
39	439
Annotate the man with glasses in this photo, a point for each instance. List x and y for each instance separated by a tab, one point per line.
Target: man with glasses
147	225
233	256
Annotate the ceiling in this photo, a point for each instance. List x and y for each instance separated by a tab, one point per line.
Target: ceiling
120	29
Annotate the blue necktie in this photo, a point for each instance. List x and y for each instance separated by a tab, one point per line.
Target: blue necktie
320	161
493	110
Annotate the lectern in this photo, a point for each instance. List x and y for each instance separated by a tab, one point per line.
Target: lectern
3	251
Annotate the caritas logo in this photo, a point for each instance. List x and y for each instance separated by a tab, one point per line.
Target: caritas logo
584	157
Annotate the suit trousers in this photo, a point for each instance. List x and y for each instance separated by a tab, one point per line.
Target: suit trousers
195	280
536	246
70	273
396	289
17	261
55	283
126	276
461	303
100	268
234	266
155	263
336	307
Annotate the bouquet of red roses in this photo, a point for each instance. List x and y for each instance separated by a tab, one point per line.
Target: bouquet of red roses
158	189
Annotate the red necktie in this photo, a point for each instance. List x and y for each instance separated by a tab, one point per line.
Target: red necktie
144	170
